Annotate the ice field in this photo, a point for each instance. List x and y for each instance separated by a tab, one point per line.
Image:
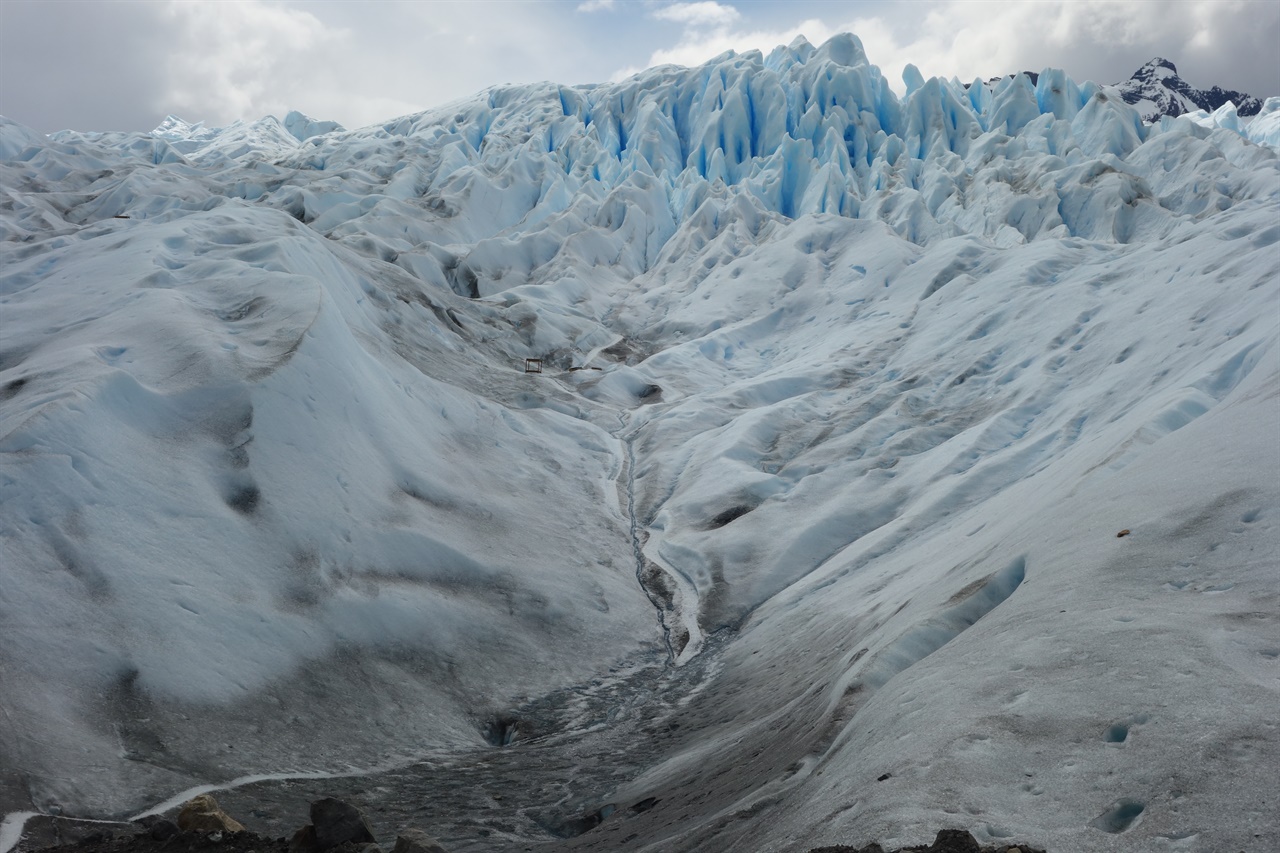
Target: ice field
845	399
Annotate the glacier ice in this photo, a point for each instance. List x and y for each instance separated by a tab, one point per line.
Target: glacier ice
845	398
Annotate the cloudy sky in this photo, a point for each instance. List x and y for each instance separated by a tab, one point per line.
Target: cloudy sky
125	64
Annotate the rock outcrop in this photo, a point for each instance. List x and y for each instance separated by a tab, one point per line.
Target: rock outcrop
203	814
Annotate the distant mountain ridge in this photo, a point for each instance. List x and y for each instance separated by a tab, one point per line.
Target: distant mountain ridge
1157	90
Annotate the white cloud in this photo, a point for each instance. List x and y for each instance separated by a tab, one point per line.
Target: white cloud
706	13
697	46
597	5
241	58
357	63
709	31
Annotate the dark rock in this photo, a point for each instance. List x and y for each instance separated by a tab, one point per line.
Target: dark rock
1033	76
947	841
955	841
336	822
304	840
162	829
1157	83
357	847
416	841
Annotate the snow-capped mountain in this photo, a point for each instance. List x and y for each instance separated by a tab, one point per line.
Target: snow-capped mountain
1156	90
895	463
263	137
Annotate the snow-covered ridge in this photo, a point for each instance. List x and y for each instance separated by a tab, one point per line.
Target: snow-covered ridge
268	136
1156	90
877	382
804	130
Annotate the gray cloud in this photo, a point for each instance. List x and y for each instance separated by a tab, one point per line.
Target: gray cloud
106	64
85	65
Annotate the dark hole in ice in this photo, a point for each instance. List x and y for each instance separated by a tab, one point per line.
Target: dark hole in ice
1117	733
730	514
468	283
245	499
12	387
648	391
645	804
574	827
1119	817
502	730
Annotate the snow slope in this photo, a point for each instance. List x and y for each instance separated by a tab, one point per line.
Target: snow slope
845	400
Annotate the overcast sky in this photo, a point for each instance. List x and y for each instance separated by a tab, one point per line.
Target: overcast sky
125	64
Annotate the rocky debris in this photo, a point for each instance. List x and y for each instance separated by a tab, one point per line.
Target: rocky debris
163	830
178	842
334	824
202	814
304	840
416	841
947	841
1033	76
202	827
338	827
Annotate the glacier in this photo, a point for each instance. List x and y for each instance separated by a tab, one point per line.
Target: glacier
807	532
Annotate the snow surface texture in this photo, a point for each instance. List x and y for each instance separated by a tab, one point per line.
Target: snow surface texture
856	390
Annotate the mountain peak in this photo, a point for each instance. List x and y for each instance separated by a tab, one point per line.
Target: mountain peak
1157	90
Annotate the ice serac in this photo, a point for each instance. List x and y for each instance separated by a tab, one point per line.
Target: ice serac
303	126
1265	128
805	534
